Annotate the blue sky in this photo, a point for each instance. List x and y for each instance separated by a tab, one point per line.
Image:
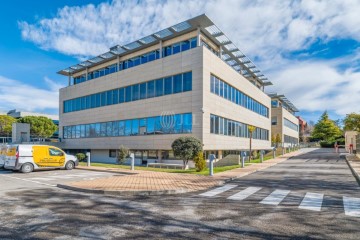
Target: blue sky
310	50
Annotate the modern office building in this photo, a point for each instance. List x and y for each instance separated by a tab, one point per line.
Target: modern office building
188	79
283	120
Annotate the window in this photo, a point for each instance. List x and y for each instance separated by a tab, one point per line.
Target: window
185	45
159	87
187	123
115	129
150	129
150	89
121	95
121	128
112	153
177	83
127	127
109	97
273	120
135	92
274	103
128	94
135	127
176	48
143	91
115	95
142	126
55	152
103	129
109	129
167	51
168	85
187	81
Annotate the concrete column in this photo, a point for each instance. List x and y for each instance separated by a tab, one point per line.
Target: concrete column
160	48
118	63
86	75
220	51
220	154
69	80
159	153
198	37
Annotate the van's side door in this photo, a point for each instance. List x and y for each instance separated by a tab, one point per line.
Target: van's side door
41	156
57	157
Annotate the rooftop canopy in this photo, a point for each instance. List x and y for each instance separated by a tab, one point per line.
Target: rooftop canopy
230	53
284	100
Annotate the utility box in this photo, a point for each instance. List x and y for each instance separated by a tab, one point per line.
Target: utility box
20	132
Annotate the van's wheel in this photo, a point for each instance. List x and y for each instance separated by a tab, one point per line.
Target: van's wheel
70	165
27	168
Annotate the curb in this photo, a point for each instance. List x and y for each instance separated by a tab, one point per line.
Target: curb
354	173
107	171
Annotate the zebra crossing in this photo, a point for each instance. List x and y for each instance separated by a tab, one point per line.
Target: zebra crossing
64	176
311	201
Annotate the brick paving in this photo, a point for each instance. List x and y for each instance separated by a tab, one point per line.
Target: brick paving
137	181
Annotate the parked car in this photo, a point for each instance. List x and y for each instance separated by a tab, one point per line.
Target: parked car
2	155
26	158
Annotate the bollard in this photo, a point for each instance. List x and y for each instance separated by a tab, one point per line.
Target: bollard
88	159
243	159
274	155
211	165
283	151
261	156
132	156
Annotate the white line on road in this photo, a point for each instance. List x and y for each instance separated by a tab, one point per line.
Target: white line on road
352	206
244	193
218	190
275	197
27	180
312	201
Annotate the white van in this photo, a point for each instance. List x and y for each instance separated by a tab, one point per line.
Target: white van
2	155
27	158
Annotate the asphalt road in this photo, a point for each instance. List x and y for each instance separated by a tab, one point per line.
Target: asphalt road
302	198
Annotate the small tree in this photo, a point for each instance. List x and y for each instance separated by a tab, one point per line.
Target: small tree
352	122
273	140
200	163
122	153
277	140
80	156
326	129
251	130
186	148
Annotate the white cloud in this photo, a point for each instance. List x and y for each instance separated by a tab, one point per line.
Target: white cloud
265	30
16	94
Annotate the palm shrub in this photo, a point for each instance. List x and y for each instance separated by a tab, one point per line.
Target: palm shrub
200	163
122	153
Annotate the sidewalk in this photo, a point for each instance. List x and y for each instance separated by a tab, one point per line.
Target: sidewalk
354	163
149	182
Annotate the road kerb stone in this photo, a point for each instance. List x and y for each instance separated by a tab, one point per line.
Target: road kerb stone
350	164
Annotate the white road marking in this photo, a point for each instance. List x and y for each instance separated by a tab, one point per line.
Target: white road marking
27	180
312	201
218	190
275	197
352	206
244	193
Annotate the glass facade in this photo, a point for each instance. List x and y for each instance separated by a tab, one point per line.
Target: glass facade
154	88
227	127
292	140
169	124
224	90
291	125
138	60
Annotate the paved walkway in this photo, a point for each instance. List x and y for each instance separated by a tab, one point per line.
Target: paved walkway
149	182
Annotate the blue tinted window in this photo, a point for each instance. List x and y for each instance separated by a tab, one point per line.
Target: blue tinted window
83	103
144	58
217	86
109	129
221	89
157	53
187	81
130	63
185	45
150	128
135	127
167	51
168	85
150	89
176	48
159	87
135	92
193	42
177	83
137	61
103	98
109	97
151	56
158	125
97	101
115	94
121	128
178	123
88	101
121	95
127	127
128	94
115	129
143	91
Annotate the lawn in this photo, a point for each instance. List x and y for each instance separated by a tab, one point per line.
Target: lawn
190	171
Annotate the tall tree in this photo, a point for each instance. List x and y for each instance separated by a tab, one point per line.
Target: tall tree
186	148
326	129
6	125
41	127
352	122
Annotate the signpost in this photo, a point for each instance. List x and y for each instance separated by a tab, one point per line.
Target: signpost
211	165
88	159
262	155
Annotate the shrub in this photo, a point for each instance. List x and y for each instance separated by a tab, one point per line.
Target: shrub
122	153
200	163
186	148
80	157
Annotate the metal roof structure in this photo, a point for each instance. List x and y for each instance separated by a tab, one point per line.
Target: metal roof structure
284	100
230	53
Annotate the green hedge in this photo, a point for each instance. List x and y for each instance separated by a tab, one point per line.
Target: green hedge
331	144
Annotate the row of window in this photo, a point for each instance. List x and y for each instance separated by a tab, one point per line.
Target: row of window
224	126
154	88
290	124
210	48
222	89
292	140
133	62
169	124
